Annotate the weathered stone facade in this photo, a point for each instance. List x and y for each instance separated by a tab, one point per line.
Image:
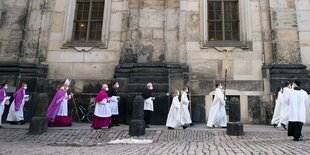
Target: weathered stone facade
272	33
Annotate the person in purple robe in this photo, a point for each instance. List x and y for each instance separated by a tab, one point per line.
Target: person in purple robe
3	99
16	111
102	114
57	112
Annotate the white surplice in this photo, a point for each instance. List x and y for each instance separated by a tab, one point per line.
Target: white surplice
297	102
174	115
217	115
17	115
186	118
5	101
277	109
63	110
148	104
114	105
103	109
284	107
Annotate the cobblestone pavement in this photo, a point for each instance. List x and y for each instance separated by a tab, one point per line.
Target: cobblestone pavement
81	139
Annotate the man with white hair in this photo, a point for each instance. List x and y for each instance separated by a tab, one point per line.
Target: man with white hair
148	104
57	112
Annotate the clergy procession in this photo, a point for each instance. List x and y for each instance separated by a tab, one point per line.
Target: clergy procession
289	112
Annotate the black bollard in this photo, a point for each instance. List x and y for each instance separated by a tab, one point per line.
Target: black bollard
137	124
234	126
39	122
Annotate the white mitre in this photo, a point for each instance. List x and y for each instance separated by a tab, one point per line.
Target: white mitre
67	82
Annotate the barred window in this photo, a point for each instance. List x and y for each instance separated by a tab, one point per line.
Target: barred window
223	20
88	20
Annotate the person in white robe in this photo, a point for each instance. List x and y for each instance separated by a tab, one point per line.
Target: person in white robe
186	117
284	107
217	115
4	100
114	99
16	110
174	118
277	109
297	103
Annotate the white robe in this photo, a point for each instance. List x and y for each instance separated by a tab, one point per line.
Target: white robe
217	115
277	110
297	103
5	101
284	107
103	109
17	115
186	117
63	110
114	105
148	104
174	116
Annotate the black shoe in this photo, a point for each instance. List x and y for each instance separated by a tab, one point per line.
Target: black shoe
110	126
147	126
298	139
21	122
274	125
224	127
97	128
184	127
170	128
1	126
283	126
13	123
213	126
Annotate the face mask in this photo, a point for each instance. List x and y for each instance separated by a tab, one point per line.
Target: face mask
221	87
151	88
25	88
117	86
178	93
186	90
5	87
106	89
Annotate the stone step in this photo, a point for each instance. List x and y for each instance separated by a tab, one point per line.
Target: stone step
163	88
149	70
147	79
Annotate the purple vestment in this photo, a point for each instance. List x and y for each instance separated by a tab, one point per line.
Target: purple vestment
2	94
19	96
54	106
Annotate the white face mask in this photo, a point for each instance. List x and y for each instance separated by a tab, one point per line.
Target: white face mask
117	86
186	90
5	87
25	87
151	88
106	89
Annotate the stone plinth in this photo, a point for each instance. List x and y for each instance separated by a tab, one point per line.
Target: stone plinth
234	126
39	122
137	124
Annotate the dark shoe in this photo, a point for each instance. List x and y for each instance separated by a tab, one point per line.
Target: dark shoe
213	126
13	123
274	125
224	127
21	122
110	126
283	126
184	127
170	128
1	126
147	126
116	125
298	139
